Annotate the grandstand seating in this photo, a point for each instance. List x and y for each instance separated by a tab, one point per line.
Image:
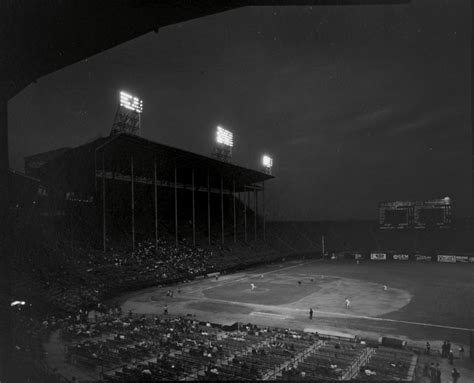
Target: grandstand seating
139	348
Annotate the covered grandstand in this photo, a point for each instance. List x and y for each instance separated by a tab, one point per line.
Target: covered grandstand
140	184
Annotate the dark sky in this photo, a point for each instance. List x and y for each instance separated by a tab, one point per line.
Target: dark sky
356	104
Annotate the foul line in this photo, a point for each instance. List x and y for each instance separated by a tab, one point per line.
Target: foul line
391	320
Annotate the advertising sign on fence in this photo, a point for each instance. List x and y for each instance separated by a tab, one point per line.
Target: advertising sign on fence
471	259
400	257
447	258
462	258
357	256
378	256
423	257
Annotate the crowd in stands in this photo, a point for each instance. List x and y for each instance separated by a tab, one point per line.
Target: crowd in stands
125	347
83	277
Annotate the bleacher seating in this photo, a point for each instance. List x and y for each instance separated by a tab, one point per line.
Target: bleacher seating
136	348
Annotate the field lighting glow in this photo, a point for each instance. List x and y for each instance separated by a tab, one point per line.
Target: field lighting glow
131	102
224	137
267	161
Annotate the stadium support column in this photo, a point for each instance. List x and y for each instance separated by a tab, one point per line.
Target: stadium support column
5	246
239	197
104	222
233	209
208	209
222	208
95	174
255	215
132	201
471	346
194	212
263	209
245	212
155	191
175	205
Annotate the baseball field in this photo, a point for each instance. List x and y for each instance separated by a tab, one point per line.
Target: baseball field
416	301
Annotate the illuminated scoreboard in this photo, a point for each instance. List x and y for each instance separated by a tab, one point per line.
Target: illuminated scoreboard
415	214
396	215
432	214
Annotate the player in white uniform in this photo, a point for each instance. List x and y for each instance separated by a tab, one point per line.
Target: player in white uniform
385	287
348	303
252	286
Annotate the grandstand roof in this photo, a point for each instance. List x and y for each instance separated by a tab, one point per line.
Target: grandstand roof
73	170
36	160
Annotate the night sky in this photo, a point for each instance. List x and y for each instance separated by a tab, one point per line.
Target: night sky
356	104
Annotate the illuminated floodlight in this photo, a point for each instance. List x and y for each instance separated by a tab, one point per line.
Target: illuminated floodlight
16	303
131	102
224	137
267	161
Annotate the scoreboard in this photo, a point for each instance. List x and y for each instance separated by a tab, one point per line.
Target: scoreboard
415	214
396	215
434	213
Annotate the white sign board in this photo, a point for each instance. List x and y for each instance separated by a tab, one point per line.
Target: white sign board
378	256
447	258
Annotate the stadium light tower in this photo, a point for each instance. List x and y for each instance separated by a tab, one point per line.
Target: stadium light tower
128	115
224	144
267	163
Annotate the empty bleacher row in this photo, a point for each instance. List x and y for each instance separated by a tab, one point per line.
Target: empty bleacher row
389	364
